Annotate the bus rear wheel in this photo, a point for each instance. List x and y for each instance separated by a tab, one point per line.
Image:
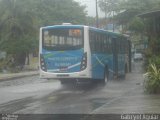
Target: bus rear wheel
105	79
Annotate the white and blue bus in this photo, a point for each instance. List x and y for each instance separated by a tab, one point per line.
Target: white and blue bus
77	52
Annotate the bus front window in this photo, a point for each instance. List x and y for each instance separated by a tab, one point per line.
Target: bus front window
62	39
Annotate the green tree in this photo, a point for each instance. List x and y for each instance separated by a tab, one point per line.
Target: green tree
136	25
20	22
109	7
50	12
90	21
131	8
16	30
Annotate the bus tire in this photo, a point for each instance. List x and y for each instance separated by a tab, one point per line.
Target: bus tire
123	76
126	69
105	79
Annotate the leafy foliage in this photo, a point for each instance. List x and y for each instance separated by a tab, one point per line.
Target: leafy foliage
16	30
50	12
127	10
136	25
108	6
152	82
155	60
20	21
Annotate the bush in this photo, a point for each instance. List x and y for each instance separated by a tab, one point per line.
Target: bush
151	59
152	79
155	60
7	64
3	64
147	57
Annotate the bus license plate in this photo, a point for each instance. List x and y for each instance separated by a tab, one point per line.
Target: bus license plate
63	68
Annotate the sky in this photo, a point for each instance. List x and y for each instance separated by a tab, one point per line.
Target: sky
91	7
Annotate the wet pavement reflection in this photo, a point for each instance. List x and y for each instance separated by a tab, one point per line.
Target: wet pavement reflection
50	97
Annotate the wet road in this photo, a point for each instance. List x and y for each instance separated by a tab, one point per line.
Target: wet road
32	95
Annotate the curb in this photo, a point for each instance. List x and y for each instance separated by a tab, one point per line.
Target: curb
4	77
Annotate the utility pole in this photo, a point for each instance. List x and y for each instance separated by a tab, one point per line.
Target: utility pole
113	21
97	21
105	10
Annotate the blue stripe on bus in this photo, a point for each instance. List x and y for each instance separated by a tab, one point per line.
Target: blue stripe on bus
98	64
63	61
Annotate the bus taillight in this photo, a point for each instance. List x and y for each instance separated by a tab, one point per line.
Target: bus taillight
42	62
84	62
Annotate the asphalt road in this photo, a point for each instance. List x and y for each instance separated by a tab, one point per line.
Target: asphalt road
31	95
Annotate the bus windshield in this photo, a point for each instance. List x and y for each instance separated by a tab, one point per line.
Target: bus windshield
58	39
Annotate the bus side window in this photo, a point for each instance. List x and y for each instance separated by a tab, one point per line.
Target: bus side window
95	43
109	45
105	43
99	41
123	45
119	47
92	41
119	50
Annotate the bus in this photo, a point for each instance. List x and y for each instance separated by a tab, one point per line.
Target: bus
72	53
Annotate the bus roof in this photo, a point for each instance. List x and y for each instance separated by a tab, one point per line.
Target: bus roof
63	26
106	32
81	26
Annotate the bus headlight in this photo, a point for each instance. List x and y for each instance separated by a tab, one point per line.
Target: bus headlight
84	61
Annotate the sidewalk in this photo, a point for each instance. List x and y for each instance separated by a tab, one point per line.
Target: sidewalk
10	76
131	96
